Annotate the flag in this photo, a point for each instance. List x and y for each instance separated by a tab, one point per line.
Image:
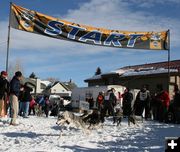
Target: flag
35	22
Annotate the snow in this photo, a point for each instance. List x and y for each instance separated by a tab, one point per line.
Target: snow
132	72
45	82
42	134
147	72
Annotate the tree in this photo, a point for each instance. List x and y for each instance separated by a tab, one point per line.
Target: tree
98	71
15	66
32	75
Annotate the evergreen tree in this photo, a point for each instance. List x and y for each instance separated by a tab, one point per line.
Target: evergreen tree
98	71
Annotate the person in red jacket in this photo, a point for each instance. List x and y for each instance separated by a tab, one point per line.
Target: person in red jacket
163	98
32	106
99	101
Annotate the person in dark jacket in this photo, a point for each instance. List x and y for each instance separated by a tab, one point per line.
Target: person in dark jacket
176	104
91	102
142	102
46	107
20	99
163	98
4	91
14	93
26	98
109	103
127	101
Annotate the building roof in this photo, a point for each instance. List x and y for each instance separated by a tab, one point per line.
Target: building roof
175	64
67	85
70	85
142	69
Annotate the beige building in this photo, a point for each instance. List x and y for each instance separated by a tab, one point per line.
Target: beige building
40	87
134	77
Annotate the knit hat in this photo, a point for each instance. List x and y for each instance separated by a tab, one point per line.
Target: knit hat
18	74
4	73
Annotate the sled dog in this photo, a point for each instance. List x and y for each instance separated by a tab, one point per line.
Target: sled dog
84	122
93	119
118	115
68	117
134	119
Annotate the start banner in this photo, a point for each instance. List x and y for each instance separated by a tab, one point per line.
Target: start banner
35	22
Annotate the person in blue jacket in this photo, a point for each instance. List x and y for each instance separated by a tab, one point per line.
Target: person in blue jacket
14	93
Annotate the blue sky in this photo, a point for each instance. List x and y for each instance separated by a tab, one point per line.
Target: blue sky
66	60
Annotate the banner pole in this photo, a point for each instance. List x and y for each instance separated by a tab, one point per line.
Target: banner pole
8	40
168	59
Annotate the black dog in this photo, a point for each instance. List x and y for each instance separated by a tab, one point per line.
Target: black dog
118	117
131	119
93	119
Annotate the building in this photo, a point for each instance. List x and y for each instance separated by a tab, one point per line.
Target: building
40	87
134	77
58	88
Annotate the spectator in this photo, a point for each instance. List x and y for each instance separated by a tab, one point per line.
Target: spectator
91	102
176	104
26	100
14	93
99	101
41	104
164	100
142	102
20	98
31	106
109	103
4	91
155	105
127	101
46	107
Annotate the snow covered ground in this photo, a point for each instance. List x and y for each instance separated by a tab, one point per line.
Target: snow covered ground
42	134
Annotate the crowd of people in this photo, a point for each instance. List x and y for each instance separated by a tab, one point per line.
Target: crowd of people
9	95
16	99
154	107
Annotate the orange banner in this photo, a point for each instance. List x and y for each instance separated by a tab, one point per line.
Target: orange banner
35	22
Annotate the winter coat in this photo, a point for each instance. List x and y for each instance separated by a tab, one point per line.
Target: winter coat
127	97
32	103
100	99
143	96
177	99
41	101
15	86
27	94
110	99
163	98
4	87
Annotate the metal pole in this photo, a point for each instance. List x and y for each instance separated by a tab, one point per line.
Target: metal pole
8	40
168	59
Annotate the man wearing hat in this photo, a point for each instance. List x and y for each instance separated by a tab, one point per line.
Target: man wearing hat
4	91
14	94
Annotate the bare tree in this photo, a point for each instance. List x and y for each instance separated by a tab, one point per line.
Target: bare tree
15	66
